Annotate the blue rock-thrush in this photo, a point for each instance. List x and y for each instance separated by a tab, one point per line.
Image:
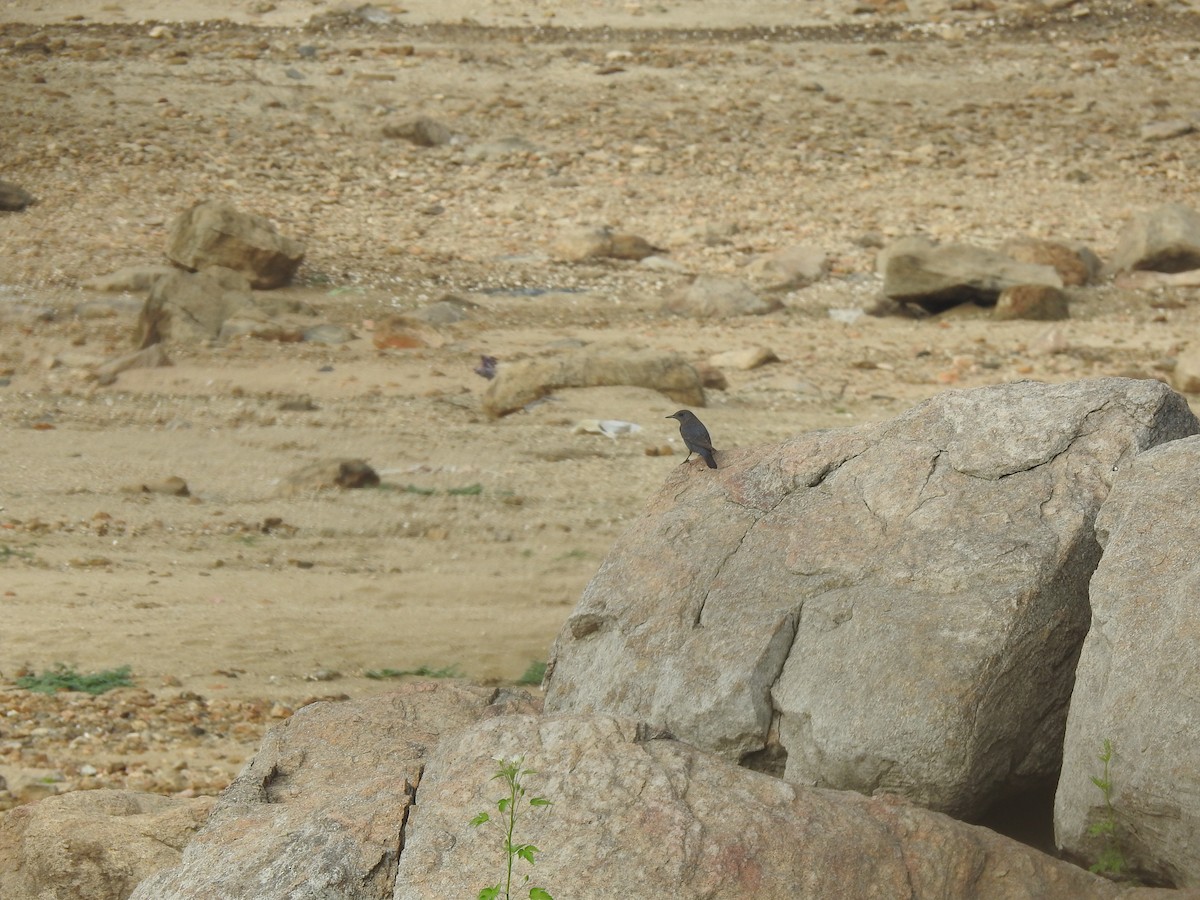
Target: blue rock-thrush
695	436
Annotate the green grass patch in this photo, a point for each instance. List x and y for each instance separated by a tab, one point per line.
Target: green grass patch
451	671
534	674
7	553
65	678
471	490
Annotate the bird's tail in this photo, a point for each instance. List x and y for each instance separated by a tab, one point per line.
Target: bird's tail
708	457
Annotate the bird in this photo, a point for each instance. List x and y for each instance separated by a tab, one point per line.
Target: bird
695	436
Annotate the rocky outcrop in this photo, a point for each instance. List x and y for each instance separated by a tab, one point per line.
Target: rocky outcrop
215	233
93	844
638	815
519	383
896	608
1136	682
373	800
320	810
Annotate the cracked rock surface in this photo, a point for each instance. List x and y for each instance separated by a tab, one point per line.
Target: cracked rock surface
1135	684
896	608
319	810
635	815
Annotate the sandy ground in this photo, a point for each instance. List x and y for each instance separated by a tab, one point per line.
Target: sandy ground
828	126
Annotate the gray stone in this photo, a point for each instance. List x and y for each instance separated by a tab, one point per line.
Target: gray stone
938	277
1166	130
1137	676
450	310
422	131
789	268
1165	239
519	383
894	608
718	297
215	233
634	814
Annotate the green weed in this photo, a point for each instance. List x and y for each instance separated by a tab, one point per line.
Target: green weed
512	772
1111	862
451	671
534	674
65	678
7	553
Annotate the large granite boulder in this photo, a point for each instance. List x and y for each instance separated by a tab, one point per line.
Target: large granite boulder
894	608
319	810
638	815
216	233
93	844
1136	685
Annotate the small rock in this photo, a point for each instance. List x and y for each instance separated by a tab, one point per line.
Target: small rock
939	277
1165	239
422	131
718	297
327	334
601	243
1032	301
1164	131
328	474
450	310
1076	267
406	333
1186	376
215	233
14	198
172	485
744	359
711	376
789	268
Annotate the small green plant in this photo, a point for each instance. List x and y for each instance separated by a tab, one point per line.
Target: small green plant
7	553
65	678
512	772
1111	862
534	673
470	490
451	671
